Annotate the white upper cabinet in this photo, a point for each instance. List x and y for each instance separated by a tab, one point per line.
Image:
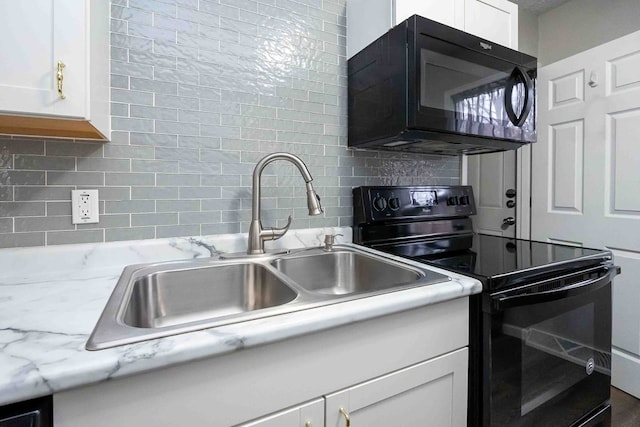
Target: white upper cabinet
494	20
449	12
55	65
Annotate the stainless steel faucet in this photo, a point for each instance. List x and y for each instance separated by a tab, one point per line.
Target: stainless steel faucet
257	234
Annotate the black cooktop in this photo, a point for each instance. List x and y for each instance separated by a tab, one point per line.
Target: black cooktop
497	261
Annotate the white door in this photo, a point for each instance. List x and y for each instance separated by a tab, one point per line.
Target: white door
586	175
35	35
432	393
493	177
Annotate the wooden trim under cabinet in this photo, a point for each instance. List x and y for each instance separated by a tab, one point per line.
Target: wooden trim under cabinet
46	127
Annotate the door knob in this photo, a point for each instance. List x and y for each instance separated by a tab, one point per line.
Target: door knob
511	204
509	221
510	193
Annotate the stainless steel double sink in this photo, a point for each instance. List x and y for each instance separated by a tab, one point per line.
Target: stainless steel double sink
158	300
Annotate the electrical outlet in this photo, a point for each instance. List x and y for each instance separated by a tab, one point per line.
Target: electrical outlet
84	207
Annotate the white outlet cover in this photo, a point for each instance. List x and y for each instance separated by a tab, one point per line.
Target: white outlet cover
84	207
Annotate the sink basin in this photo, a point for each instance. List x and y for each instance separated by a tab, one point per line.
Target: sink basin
345	272
168	298
158	300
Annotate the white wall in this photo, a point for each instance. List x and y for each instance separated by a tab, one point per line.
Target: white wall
582	24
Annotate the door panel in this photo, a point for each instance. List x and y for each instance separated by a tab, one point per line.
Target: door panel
450	13
491	175
586	175
622	160
499	21
429	393
624	73
626	334
36	35
567	90
490	193
27	79
308	415
566	151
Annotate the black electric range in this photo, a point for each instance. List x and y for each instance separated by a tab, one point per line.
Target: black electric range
540	332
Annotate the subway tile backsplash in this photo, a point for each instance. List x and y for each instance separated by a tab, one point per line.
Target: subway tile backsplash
201	90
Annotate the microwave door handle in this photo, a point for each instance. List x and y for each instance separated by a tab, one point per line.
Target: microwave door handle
528	96
505	302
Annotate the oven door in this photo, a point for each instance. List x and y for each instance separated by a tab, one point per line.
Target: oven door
547	350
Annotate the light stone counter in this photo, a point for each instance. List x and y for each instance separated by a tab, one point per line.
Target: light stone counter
52	297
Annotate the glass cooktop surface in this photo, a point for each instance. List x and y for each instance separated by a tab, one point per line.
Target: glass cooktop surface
498	259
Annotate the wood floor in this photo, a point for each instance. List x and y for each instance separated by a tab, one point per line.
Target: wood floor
626	409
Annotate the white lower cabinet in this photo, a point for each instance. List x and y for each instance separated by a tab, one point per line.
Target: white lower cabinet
432	393
403	369
306	415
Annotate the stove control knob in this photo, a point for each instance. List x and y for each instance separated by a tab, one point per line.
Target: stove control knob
452	201
380	203
394	204
464	200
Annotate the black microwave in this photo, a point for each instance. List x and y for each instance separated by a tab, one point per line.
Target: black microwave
426	87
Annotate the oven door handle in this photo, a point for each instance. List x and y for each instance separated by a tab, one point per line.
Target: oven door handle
500	303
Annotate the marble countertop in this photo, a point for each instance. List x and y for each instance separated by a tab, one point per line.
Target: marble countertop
52	297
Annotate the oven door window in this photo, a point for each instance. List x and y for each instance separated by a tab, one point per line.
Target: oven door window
551	361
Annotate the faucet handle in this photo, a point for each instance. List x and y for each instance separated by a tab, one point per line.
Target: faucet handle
330	240
279	232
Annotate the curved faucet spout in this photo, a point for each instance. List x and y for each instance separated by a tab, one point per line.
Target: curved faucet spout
258	235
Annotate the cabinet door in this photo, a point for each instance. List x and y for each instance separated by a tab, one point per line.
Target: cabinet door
369	19
449	12
431	393
494	20
308	415
36	34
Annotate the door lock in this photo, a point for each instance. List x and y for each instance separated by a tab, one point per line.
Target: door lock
510	193
511	204
508	221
